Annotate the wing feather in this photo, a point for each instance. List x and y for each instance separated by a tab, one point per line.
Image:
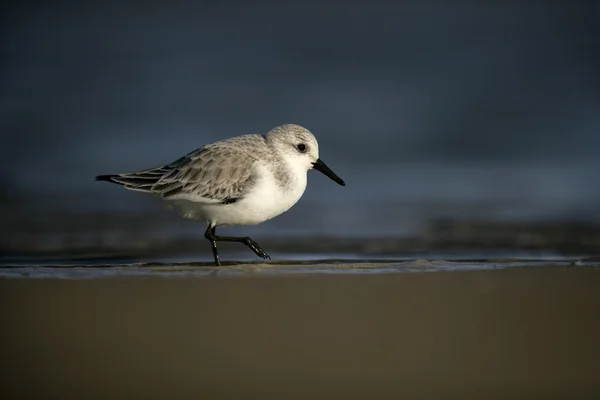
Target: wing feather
217	173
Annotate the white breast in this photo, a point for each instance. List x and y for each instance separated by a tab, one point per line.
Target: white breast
266	199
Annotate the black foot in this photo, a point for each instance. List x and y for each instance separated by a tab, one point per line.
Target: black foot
256	248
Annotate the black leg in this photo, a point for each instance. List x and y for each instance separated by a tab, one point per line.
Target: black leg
210	235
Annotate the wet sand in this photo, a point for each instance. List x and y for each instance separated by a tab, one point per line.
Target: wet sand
512	333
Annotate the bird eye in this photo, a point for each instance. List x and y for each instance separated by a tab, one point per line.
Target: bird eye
301	147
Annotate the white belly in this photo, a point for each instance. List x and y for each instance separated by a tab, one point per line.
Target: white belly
265	200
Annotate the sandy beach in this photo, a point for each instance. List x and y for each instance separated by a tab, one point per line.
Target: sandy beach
512	333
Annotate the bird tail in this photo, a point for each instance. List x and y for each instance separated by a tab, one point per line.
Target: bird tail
142	181
108	178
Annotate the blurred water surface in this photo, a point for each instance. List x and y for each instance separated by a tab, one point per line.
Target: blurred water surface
427	112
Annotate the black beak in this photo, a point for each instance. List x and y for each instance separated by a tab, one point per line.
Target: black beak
320	166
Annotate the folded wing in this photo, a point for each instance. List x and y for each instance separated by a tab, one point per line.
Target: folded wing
210	174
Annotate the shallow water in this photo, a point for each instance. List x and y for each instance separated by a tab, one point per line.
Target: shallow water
94	250
288	266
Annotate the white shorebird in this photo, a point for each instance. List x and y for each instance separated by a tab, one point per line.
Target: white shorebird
244	180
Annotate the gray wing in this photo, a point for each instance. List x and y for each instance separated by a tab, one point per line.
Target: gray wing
216	174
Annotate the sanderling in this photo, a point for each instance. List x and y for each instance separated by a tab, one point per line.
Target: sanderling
244	180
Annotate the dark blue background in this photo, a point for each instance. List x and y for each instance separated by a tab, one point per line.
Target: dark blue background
425	110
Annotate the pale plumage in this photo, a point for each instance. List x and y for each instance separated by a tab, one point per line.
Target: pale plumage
244	180
216	173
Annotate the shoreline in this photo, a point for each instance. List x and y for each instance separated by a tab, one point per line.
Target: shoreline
59	269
